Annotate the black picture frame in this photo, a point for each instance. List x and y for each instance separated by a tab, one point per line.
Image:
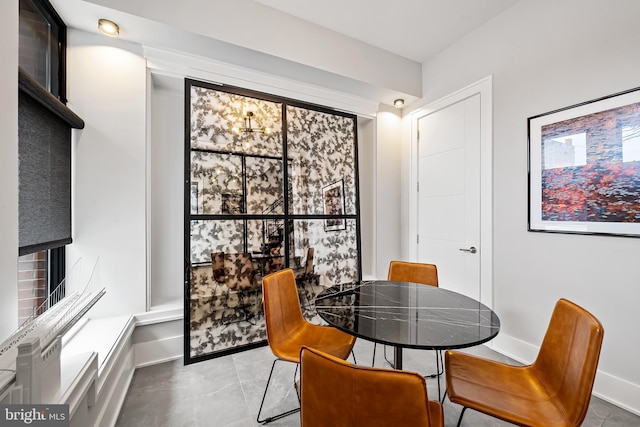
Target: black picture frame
333	204
584	167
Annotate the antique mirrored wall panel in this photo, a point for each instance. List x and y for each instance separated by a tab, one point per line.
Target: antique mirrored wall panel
326	257
323	177
255	204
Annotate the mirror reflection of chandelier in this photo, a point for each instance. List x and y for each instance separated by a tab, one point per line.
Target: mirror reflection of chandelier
246	128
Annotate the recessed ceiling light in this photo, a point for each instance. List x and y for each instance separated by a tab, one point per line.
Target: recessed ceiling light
398	103
108	28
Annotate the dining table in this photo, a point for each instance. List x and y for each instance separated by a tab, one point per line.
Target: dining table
407	315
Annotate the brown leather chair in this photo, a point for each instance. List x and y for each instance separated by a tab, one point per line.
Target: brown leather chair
308	263
415	272
239	272
242	283
336	393
553	391
288	331
400	271
217	265
275	262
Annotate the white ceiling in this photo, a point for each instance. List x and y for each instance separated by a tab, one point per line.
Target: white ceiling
414	29
370	49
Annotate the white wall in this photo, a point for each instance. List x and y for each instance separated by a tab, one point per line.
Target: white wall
366	176
9	168
388	187
107	88
166	213
546	55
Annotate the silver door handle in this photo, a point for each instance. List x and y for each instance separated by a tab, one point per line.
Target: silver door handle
472	249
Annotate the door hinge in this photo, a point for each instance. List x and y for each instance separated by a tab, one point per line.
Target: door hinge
417	239
418	185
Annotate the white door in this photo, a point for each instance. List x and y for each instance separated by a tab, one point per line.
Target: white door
449	194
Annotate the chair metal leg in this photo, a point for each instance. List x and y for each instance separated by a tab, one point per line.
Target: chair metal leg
296	384
461	414
373	361
438	372
439	363
384	352
248	316
284	414
439	368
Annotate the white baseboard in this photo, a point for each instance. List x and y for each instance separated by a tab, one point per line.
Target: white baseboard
167	345
127	356
113	340
617	391
167	314
514	348
607	387
162	350
115	389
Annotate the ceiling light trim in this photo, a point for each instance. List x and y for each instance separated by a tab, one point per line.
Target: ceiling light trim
108	27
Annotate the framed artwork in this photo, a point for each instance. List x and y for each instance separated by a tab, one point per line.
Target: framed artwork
584	167
232	203
333	203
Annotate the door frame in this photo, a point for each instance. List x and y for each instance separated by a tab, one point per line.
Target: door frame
484	89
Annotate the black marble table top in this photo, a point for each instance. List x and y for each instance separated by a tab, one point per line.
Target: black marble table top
408	315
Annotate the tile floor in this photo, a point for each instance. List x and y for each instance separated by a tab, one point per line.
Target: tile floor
226	392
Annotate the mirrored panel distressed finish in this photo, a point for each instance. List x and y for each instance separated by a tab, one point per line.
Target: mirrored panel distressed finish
241	221
322	148
217	123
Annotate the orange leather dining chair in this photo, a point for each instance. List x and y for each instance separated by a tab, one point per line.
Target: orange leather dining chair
217	265
241	280
415	272
553	391
336	393
288	330
400	271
